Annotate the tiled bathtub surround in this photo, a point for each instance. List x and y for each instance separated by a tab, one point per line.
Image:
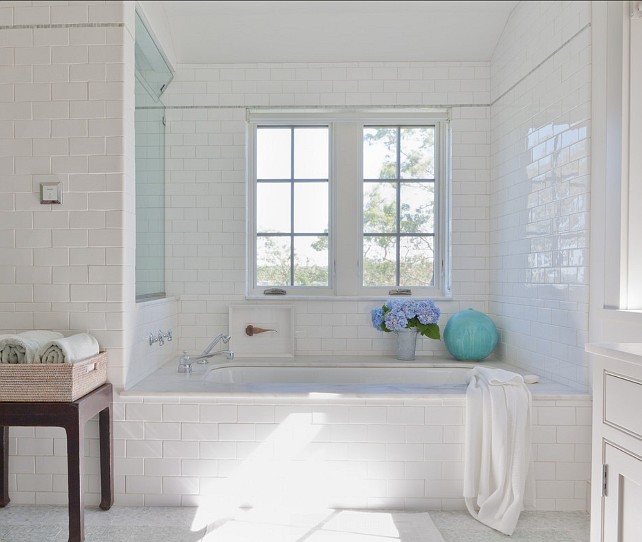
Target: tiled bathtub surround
539	189
367	452
206	186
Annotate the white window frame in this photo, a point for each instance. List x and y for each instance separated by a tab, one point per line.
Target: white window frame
345	273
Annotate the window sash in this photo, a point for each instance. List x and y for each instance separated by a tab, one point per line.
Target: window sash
345	183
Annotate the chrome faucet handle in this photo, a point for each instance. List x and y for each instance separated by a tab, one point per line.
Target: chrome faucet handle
183	365
168	336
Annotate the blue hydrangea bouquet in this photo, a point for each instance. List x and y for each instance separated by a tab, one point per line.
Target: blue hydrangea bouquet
398	314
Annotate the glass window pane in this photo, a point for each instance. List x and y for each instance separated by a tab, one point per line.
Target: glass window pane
416	257
273	153
417	207
311	261
273	207
379	153
379	257
311	207
311	153
417	153
272	261
379	207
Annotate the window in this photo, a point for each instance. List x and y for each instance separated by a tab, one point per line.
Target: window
398	205
292	206
348	205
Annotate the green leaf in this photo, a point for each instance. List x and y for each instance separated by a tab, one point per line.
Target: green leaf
429	330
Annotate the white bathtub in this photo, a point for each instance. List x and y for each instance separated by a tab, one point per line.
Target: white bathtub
362	378
328	378
303	376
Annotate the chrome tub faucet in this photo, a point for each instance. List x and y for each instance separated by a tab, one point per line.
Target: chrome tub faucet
185	362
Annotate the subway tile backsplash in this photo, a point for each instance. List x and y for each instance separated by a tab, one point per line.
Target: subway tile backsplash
206	187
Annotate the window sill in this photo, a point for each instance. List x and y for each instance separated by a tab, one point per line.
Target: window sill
157	300
287	297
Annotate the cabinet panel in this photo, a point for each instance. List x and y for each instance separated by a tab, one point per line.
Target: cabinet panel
623	500
620	394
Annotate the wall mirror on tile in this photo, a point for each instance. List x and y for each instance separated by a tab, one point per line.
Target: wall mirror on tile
153	74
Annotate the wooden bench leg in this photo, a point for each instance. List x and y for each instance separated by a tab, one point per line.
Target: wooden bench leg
105	425
4	466
75	469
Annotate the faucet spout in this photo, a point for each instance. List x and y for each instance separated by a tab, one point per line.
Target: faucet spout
221	337
204	359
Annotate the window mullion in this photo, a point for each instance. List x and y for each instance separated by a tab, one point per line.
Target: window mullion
292	206
398	243
347	211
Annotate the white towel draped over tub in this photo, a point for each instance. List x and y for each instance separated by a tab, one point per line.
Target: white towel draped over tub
23	347
69	349
498	478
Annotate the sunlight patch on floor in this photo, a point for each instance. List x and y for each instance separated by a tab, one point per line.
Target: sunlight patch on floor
320	526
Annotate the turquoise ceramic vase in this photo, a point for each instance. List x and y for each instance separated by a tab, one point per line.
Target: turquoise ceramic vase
470	335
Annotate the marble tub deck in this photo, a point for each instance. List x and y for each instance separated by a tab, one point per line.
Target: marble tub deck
167	382
19	523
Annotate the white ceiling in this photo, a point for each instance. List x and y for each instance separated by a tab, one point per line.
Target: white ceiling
330	31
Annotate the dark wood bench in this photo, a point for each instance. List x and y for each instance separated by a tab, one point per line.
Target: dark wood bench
72	416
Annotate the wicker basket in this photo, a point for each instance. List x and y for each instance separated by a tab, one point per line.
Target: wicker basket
59	382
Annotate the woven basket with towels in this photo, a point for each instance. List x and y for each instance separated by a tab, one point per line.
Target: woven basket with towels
46	366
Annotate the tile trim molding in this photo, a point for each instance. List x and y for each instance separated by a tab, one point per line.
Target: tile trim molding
522	79
73	25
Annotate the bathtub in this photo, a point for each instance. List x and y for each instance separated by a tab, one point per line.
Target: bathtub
303	376
338	431
375	378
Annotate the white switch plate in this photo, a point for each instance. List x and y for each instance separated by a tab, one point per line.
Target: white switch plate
50	192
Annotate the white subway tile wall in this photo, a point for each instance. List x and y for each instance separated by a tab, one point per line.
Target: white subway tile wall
520	233
206	187
65	94
539	189
152	317
365	453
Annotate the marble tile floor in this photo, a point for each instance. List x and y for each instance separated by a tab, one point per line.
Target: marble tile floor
20	523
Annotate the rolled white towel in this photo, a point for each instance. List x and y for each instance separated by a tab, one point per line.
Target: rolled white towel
23	347
69	349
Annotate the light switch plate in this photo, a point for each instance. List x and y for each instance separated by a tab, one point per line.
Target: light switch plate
50	193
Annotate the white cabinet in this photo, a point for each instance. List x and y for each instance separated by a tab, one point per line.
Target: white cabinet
623	496
616	488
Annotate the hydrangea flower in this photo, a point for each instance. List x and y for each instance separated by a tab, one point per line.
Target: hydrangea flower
427	312
395	320
377	318
392	304
408	308
398	314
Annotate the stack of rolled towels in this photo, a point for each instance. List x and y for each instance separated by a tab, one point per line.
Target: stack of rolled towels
47	347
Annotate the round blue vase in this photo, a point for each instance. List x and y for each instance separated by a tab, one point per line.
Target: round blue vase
470	335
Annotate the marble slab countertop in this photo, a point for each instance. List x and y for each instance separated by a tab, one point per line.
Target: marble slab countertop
631	352
166	381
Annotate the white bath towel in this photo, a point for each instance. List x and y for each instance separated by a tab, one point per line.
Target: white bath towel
23	347
69	349
497	464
